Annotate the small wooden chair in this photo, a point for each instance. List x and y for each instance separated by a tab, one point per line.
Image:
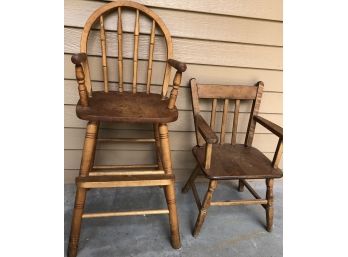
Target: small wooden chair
122	106
231	161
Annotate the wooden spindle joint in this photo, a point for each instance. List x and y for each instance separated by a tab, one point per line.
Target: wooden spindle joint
175	90
80	76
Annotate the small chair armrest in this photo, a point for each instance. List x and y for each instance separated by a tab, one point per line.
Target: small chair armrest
179	66
205	130
274	128
79	58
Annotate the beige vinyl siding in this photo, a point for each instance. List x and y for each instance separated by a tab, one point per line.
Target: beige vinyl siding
233	42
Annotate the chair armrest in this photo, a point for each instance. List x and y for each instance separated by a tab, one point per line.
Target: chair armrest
179	66
277	130
79	58
205	130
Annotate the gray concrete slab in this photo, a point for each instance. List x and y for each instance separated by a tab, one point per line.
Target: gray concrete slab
228	231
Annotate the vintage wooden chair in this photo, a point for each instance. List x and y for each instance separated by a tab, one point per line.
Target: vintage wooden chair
231	161
122	106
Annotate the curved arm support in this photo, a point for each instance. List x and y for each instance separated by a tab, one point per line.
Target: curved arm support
78	60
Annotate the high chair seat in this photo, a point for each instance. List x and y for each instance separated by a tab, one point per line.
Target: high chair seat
127	107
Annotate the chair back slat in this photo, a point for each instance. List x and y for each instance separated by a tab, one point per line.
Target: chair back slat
135	55
151	50
235	121
230	92
103	47
213	113
223	123
120	55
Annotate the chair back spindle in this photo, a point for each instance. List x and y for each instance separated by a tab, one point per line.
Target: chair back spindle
103	48
120	55
235	122
135	55
223	122
151	50
213	113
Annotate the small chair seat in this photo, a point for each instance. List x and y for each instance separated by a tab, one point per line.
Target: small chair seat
236	162
127	107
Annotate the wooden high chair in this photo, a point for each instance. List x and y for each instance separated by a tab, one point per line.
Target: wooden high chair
122	106
231	161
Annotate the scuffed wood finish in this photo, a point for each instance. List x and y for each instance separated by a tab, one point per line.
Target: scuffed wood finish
151	50
127	107
220	161
103	47
254	112
235	122
224	120
120	48
135	54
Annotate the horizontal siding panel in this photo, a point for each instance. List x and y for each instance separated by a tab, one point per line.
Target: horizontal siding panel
179	141
271	102
201	26
186	50
203	73
261	9
184	122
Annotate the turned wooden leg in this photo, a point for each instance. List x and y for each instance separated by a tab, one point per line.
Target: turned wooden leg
269	205
169	190
95	144
191	179
203	211
240	186
158	146
86	163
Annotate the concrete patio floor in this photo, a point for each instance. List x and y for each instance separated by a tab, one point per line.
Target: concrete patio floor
228	231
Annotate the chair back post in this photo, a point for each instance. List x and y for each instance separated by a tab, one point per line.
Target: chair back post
254	111
196	109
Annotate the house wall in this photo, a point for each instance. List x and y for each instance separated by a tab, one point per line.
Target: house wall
222	42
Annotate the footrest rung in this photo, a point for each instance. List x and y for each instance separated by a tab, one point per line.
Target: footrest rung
127	140
135	166
124	181
124	172
239	202
124	213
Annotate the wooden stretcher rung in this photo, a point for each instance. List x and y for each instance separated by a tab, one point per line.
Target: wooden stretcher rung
252	191
239	202
124	181
121	167
124	213
101	172
127	140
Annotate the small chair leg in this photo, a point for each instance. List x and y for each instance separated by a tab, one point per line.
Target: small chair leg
240	186
269	205
169	190
158	146
191	179
203	211
80	198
